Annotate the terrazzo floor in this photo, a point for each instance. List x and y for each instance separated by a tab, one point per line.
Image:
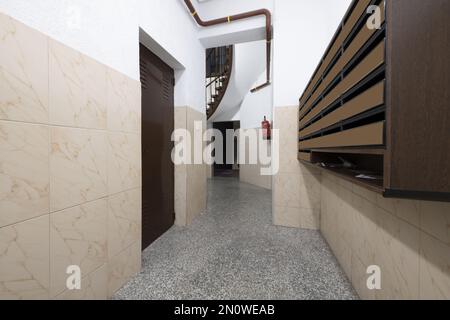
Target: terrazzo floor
235	252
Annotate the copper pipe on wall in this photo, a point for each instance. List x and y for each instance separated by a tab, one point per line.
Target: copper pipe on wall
241	16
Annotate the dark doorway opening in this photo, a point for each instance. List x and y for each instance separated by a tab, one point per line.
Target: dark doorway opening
227	169
158	213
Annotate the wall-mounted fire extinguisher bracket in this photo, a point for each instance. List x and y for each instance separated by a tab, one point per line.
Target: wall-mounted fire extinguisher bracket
267	129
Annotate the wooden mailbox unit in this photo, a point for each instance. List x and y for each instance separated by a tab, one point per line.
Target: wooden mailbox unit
380	101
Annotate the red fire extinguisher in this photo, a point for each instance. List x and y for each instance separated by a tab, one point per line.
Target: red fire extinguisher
266	127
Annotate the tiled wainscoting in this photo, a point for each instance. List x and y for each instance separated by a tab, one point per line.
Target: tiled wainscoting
70	169
296	188
190	179
251	173
409	240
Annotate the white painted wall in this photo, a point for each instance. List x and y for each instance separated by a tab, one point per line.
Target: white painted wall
169	23
256	105
303	30
248	63
238	32
108	31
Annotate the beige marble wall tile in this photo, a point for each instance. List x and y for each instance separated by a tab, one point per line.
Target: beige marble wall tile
295	186
336	218
296	191
434	268
209	171
397	254
343	254
24	260
78	237
124	220
362	192
286	121
408	210
297	217
414	261
251	173
24	174
343	183
23	72
196	191
93	287
359	279
123	266
365	230
124	102
180	174
124	162
190	179
77	167
193	115
336	222
345	212
64	168
331	178
286	217
327	215
435	219
196	188
180	121
77	88
180	195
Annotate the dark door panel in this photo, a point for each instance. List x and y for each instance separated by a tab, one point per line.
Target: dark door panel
226	169
158	212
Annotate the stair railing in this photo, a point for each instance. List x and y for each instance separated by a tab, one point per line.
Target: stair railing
219	65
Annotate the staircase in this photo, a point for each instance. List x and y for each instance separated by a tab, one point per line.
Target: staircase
219	63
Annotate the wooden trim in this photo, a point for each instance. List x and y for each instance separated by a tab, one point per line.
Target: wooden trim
360	9
373	60
388	100
358	42
305	156
348	176
409	145
316	72
370	63
369	135
343	174
336	44
365	101
307	103
419	117
362	37
417	195
369	151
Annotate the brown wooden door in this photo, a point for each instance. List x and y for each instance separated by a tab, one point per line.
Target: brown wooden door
158	212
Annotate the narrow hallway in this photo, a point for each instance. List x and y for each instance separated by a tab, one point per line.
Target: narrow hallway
235	252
